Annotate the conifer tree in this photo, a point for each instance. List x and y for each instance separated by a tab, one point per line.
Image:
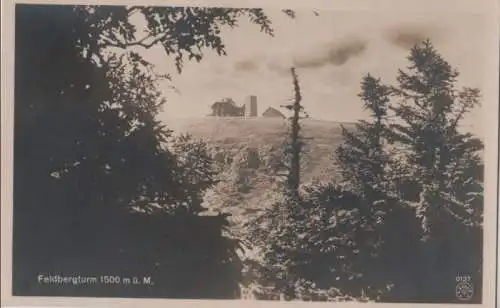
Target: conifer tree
294	145
443	166
362	158
277	229
385	225
430	109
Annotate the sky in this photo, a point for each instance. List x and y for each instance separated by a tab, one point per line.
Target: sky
332	51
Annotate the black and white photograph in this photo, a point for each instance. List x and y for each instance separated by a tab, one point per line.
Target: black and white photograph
208	152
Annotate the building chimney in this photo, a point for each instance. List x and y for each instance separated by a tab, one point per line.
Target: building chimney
251	106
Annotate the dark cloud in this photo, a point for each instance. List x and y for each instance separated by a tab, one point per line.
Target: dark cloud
335	53
407	36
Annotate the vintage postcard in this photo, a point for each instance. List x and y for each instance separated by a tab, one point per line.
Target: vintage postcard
249	152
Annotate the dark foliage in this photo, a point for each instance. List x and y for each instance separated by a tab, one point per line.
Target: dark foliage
427	176
444	168
405	219
96	189
294	142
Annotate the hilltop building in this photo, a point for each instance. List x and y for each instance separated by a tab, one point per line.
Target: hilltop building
272	113
228	108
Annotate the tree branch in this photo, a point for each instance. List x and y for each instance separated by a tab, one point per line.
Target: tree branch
142	42
460	115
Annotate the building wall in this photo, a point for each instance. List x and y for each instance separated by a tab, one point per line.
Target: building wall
227	110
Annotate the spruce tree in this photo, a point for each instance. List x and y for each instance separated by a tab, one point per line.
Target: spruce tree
294	144
443	166
362	161
277	229
430	110
362	158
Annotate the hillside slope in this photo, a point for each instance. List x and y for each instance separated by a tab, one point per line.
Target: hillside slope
249	151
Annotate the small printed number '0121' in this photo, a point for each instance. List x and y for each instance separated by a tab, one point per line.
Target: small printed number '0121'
110	279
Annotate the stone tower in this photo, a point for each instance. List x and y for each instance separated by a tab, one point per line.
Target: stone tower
251	106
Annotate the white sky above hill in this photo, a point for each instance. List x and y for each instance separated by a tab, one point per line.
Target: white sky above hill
378	43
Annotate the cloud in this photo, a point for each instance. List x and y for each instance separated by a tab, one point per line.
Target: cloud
407	36
335	53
